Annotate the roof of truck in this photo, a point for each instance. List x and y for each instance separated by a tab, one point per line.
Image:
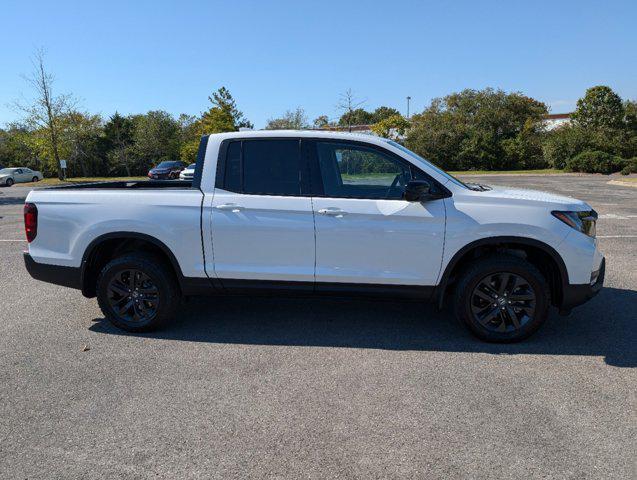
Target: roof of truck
301	133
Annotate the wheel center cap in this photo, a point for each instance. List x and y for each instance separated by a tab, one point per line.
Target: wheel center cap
502	301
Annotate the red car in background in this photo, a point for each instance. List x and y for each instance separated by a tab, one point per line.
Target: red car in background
166	170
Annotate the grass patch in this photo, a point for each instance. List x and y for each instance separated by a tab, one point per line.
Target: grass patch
541	171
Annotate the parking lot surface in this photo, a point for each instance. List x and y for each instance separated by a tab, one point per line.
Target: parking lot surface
279	387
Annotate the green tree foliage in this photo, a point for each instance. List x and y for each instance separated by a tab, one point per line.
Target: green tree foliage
223	99
16	149
601	123
222	116
321	121
480	129
291	120
156	137
81	143
360	116
393	127
600	108
596	162
382	113
118	143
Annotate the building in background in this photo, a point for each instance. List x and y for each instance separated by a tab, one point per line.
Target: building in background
554	120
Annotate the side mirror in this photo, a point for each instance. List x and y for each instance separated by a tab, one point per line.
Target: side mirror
416	190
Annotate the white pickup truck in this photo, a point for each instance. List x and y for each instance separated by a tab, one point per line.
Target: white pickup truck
316	213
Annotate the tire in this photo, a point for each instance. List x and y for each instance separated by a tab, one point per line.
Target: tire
153	293
9	182
519	292
35	179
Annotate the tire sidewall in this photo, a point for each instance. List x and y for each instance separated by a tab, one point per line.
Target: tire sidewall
168	297
524	270
9	182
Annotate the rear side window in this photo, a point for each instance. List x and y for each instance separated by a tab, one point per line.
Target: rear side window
263	167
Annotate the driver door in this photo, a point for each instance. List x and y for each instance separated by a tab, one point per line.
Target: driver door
365	232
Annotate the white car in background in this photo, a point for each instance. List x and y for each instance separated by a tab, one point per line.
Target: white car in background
9	176
188	173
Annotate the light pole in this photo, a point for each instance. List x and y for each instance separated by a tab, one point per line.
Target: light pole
408	98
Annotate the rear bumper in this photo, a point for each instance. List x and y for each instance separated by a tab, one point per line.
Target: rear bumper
66	276
574	295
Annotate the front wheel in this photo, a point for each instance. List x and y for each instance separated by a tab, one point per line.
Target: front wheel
9	182
502	298
137	293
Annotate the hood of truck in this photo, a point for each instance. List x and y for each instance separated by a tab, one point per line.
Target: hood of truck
553	200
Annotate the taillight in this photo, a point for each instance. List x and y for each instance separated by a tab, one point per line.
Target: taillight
30	221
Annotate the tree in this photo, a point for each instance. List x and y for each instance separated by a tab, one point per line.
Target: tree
382	113
47	107
393	127
600	108
478	129
81	134
348	104
358	116
291	120
321	121
156	137
223	100
118	132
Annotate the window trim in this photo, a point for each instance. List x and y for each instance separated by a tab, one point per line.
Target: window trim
222	159
317	180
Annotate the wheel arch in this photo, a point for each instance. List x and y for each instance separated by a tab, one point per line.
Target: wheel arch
108	245
540	254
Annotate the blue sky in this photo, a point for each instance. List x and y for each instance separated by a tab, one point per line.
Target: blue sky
135	56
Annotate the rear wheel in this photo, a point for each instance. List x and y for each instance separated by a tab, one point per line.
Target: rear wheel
502	299
35	179
9	182
137	293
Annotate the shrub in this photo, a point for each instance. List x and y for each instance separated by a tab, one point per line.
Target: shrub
595	162
631	167
563	143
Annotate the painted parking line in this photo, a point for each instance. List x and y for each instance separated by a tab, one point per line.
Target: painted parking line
11	240
616	236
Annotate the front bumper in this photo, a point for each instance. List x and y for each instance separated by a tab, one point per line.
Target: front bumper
59	275
574	295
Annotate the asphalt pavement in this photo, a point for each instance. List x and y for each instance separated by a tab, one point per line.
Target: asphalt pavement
279	387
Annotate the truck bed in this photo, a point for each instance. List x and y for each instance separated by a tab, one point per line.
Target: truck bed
124	184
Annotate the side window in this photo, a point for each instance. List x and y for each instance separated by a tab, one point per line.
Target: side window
350	171
263	167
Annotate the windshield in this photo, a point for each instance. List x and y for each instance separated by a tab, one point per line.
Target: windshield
418	157
191	166
165	165
5	171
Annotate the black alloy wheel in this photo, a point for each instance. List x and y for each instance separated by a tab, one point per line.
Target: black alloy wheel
503	302
501	298
133	296
138	292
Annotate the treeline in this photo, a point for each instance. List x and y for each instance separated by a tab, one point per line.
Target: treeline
493	130
469	130
118	146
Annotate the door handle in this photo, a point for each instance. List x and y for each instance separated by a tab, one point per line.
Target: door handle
333	212
230	206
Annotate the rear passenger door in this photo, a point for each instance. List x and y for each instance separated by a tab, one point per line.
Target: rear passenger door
262	219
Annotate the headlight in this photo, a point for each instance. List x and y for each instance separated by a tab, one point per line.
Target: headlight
581	221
